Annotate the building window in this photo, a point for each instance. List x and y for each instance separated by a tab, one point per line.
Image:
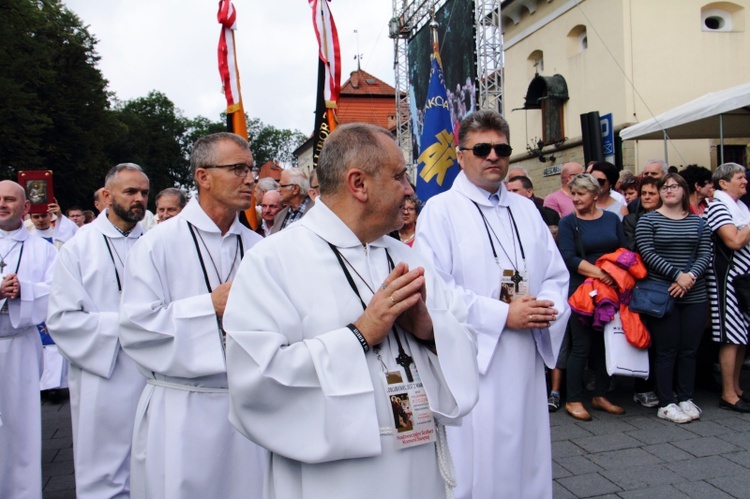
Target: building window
721	17
578	41
535	63
735	154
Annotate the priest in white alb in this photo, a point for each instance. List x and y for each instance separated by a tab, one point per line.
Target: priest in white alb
83	319
176	281
27	263
346	353
493	246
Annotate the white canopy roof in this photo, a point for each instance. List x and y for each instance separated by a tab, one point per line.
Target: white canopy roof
700	118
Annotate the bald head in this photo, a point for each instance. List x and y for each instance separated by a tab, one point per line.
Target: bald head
569	170
270	204
13	205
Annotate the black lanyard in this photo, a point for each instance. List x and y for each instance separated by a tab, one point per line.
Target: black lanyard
403	359
112	256
516	276
240	250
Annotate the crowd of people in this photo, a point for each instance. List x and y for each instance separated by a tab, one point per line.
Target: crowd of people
333	336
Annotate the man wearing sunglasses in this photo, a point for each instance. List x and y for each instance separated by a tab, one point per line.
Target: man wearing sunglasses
293	187
495	249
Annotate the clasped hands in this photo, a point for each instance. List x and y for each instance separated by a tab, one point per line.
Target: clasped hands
401	299
527	312
9	287
682	285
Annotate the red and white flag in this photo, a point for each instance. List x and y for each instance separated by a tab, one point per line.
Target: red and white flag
228	70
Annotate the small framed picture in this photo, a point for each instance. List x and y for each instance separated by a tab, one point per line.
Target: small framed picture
38	187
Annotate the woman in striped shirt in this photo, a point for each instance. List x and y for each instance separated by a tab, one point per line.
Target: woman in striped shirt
729	219
677	250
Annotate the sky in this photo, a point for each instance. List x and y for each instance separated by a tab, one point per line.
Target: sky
171	46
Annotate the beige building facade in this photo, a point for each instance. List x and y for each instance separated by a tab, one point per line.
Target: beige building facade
632	58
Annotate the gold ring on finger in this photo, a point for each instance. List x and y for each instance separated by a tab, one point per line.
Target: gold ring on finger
392	300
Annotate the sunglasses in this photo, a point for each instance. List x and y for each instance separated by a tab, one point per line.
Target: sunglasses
483	150
602	181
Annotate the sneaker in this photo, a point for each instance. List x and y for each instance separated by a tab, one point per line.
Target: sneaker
553	402
673	413
690	409
646	399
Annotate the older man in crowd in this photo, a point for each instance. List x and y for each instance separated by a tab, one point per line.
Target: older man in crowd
293	187
27	264
495	249
176	281
105	384
342	382
169	203
560	200
270	205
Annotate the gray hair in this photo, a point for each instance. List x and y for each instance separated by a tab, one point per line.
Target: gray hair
626	174
481	121
350	145
663	164
725	172
585	182
203	152
298	177
173	191
115	170
266	184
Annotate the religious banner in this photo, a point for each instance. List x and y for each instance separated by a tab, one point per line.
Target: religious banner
437	162
228	70
329	74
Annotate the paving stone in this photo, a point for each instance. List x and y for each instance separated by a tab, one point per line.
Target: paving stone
741	458
662	492
60	482
667	452
57	443
56	469
558	492
734	485
700	490
607	426
603	443
737	422
738	439
639	477
705	446
704	468
565	449
579	465
63	455
668	433
568	432
706	428
559	471
623	458
647	423
48	455
589	485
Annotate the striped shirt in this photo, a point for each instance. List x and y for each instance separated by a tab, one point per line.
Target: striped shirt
667	246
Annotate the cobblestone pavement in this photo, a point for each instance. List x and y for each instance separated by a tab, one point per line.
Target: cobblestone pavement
630	456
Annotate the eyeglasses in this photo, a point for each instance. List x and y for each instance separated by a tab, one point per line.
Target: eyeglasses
670	187
408	209
239	169
652	174
483	149
286	186
602	181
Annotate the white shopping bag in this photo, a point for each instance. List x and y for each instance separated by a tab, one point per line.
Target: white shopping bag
623	359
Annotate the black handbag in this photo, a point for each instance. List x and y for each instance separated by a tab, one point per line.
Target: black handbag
741	284
652	297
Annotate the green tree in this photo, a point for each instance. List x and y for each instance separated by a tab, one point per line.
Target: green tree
269	143
151	134
53	99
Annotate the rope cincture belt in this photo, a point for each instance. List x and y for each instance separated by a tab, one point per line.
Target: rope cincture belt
185	388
